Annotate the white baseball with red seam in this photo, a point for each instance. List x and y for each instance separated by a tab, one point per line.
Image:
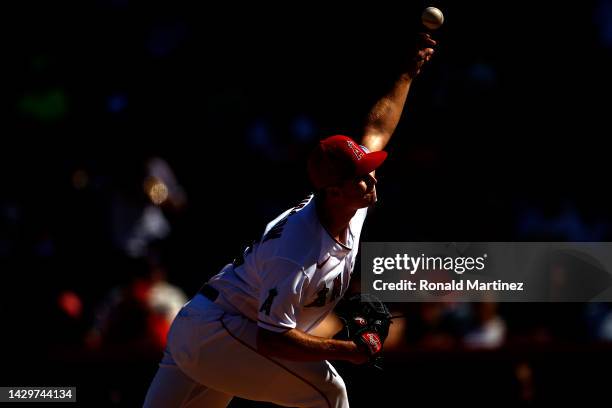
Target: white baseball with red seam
432	18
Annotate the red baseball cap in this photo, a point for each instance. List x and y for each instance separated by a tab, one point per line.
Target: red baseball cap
338	158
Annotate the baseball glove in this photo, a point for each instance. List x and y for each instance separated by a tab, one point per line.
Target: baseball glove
366	322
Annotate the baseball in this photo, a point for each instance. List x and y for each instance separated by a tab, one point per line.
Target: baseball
432	18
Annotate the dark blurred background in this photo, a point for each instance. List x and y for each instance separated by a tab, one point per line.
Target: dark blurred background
144	142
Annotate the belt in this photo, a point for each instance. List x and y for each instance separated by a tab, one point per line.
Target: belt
209	292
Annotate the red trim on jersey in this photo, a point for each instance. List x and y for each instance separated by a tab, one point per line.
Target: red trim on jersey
328	233
334	239
274	361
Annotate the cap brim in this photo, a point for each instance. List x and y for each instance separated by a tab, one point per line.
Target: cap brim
370	162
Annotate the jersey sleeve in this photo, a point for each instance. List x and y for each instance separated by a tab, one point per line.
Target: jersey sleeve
281	293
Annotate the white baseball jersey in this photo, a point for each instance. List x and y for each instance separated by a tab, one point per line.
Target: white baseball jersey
294	276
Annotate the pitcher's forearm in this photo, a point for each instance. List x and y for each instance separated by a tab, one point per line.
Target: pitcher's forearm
299	346
385	115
